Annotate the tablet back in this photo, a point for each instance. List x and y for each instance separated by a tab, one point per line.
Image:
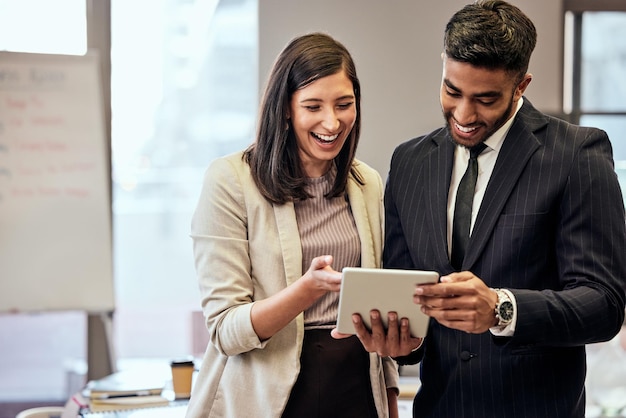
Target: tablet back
364	289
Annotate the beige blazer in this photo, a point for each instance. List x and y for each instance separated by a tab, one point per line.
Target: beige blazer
247	249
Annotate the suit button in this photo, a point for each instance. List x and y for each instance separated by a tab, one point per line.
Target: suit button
466	355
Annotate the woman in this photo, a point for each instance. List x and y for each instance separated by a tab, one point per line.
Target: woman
274	226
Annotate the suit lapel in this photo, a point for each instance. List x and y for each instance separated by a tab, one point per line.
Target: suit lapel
289	236
517	148
361	219
437	184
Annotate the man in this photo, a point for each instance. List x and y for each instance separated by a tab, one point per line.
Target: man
548	237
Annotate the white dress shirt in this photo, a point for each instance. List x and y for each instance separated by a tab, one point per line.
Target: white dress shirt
486	163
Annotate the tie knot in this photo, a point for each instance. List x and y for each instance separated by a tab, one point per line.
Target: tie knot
477	149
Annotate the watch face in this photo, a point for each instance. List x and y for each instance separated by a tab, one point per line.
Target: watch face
506	311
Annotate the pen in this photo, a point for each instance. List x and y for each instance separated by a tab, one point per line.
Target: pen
78	402
124	395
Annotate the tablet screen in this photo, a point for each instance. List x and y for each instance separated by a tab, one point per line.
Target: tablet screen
364	289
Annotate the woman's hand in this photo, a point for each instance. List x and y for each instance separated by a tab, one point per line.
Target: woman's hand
321	277
272	314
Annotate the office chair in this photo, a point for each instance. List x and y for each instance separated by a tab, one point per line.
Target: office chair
42	412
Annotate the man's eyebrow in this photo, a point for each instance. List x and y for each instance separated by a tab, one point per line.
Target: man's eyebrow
450	85
493	93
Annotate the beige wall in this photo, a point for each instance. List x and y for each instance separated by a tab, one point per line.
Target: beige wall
397	46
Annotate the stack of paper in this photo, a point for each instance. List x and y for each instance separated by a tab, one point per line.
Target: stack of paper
127	402
124	390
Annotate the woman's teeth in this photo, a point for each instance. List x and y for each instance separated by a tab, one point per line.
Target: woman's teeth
326	138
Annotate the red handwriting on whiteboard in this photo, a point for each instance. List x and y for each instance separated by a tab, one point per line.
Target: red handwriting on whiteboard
15	103
48	121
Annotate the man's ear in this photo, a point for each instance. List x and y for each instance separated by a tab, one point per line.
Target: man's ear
521	86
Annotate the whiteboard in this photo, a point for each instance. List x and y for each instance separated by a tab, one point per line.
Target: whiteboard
55	216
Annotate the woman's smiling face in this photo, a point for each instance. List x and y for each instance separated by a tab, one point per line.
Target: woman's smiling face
322	115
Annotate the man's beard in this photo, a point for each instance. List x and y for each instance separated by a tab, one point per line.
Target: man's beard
490	131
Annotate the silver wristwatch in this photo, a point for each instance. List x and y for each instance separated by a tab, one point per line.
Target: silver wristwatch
504	308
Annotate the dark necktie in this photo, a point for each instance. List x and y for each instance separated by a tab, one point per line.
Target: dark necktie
463	208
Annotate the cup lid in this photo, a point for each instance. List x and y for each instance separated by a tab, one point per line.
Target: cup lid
181	363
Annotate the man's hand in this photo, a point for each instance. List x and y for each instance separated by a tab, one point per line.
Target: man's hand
395	341
461	301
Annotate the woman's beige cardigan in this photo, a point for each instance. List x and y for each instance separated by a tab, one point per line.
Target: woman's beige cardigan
247	249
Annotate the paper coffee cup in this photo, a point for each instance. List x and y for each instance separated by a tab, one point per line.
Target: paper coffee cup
182	376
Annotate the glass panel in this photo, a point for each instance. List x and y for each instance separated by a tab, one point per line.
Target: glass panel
42	356
43	26
615	126
183	92
603	62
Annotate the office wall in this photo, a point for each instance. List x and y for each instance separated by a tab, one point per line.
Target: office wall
397	46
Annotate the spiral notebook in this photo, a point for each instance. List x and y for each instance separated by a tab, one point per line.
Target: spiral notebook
174	409
119	403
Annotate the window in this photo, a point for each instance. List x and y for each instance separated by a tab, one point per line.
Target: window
595	95
183	91
58	27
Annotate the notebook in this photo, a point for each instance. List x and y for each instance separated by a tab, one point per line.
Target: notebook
175	409
123	391
121	403
124	383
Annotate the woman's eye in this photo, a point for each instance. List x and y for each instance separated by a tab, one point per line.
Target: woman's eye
312	108
345	105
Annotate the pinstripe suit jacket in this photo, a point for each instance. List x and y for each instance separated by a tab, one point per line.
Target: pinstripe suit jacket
551	228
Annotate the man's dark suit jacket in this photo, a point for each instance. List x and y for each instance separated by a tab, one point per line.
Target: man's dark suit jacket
551	228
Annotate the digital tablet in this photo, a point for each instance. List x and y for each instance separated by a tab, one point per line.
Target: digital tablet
364	289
